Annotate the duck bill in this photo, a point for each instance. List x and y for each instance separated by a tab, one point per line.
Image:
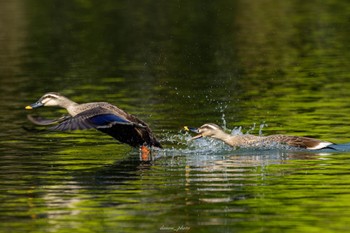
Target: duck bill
35	105
194	130
196	137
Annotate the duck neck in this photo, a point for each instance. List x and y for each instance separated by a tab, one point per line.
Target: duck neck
225	137
69	105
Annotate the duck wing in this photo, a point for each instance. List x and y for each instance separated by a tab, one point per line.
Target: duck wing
38	120
73	123
92	119
124	127
302	142
131	135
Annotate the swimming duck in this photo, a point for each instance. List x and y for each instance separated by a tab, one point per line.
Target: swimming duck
215	131
102	116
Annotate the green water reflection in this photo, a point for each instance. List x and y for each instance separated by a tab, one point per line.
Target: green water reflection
175	63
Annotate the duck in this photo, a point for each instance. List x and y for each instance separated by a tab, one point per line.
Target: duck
101	116
214	131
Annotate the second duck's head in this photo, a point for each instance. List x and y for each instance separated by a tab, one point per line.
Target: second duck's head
50	99
207	130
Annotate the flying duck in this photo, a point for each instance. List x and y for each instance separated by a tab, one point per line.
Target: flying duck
102	116
215	131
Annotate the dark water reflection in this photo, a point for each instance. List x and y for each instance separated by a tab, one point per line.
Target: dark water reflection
175	63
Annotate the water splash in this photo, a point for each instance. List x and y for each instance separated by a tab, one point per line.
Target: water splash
224	123
179	139
237	131
251	129
261	128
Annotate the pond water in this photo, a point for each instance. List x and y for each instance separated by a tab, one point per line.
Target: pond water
250	66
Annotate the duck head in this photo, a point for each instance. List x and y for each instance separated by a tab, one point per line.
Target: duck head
207	130
49	99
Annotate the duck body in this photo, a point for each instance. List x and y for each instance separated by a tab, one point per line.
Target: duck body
102	116
294	141
215	131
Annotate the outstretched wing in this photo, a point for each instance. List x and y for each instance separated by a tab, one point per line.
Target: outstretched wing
96	118
73	123
38	120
